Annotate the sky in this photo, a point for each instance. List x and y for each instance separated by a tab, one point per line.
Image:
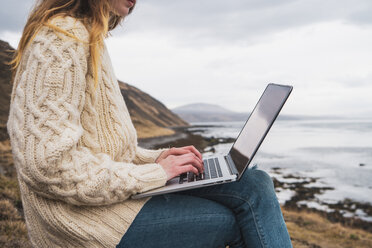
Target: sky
226	52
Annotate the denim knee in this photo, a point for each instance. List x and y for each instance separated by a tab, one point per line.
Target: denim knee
259	183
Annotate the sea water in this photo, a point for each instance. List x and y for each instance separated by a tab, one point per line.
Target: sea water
338	153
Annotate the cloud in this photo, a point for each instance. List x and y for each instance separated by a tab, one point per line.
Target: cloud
196	21
328	63
13	15
214	21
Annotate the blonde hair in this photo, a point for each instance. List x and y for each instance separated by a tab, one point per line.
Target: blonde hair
96	14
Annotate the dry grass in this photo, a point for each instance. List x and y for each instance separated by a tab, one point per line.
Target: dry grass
152	131
312	230
6	159
13	231
13	234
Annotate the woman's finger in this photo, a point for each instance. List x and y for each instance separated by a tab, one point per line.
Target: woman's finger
177	151
170	152
193	150
187	149
187	168
180	151
190	158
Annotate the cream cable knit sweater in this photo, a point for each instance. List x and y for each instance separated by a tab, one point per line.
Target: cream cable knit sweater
75	149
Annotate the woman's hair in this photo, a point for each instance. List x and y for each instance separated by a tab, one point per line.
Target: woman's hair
95	13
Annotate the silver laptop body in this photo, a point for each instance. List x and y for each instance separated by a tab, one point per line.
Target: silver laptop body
233	165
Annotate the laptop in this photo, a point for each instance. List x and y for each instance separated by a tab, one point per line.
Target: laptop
230	167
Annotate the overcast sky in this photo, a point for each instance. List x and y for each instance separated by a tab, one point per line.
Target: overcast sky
225	52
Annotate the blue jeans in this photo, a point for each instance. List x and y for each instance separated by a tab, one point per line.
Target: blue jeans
245	213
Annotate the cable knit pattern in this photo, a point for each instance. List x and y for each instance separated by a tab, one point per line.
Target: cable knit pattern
75	148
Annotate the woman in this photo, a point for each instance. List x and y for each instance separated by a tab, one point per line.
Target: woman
77	159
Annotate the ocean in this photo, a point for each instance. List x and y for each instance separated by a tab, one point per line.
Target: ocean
335	155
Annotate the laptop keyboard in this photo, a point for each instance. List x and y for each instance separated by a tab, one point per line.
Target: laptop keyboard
212	169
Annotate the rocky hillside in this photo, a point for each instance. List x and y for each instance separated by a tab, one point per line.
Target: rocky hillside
5	87
150	117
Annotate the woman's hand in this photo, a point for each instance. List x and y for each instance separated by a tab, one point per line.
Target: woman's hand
176	161
179	151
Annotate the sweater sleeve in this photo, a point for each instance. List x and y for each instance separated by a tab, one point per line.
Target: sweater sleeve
47	128
144	156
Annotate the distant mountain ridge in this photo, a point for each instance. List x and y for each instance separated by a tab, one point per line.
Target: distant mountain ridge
202	107
204	112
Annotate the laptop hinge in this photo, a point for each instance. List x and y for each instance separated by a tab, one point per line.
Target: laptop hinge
231	165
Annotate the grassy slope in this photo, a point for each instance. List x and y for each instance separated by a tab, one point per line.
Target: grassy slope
13	232
312	230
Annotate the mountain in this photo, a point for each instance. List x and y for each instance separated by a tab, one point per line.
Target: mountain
204	112
5	87
202	108
150	117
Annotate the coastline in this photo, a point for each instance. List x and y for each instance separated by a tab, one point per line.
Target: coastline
182	137
302	190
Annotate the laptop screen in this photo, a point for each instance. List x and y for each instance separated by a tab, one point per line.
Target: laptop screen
258	125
